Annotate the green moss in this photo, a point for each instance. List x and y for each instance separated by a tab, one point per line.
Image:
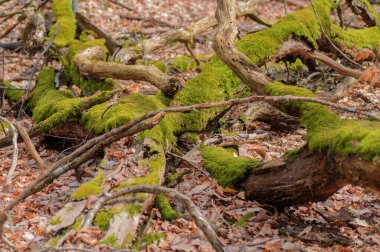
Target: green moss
174	178
293	153
53	241
102	219
155	164
224	167
45	83
147	240
52	107
161	66
87	35
242	221
92	187
166	209
358	38
78	223
190	137
128	108
12	95
110	240
133	209
64	16
326	131
183	63
55	220
216	83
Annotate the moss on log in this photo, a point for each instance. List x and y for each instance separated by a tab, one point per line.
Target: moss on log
64	16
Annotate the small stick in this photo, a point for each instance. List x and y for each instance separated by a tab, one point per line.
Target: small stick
121	4
15	151
29	145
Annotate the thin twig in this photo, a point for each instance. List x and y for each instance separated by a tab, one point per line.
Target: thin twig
121	4
190	163
34	69
15	150
330	41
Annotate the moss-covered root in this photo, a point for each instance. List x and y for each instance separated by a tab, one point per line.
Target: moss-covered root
64	16
11	94
52	107
227	169
327	132
166	209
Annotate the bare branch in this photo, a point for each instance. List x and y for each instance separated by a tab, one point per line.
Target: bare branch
100	69
15	151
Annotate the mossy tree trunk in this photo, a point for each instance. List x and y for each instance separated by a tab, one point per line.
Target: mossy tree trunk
329	137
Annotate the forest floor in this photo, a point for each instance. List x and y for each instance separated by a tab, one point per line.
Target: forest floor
348	221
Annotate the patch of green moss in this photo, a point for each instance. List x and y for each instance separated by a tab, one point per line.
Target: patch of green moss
162	66
55	220
216	83
224	167
166	209
45	83
155	164
87	35
358	38
110	240
52	107
92	187
64	15
12	95
53	241
174	178
190	137
326	131
183	63
292	153
78	223
102	219
127	109
242	221
147	240
133	209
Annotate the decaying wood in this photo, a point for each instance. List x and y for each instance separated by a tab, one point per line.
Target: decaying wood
100	69
308	176
289	189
